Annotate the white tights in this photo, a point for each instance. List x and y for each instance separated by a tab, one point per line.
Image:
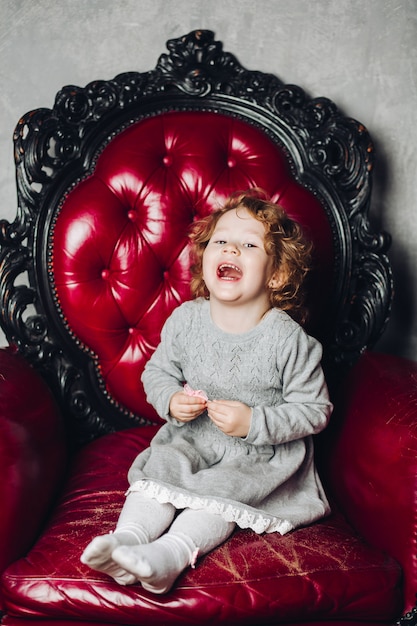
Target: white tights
140	550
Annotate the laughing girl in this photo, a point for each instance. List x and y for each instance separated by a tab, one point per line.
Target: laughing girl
239	384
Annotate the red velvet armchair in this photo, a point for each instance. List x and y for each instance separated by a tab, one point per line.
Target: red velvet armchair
109	181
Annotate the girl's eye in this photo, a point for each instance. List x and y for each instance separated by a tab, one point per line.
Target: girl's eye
223	242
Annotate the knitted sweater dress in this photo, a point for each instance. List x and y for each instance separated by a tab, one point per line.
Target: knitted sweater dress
266	481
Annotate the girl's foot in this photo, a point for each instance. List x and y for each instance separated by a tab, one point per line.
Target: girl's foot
98	556
158	564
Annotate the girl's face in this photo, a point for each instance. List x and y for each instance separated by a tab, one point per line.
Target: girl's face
236	266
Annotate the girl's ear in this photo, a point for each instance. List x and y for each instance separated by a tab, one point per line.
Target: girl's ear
276	280
279	278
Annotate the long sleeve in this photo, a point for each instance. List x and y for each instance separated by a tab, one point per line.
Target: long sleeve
163	375
305	407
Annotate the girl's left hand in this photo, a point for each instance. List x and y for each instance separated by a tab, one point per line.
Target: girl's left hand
230	416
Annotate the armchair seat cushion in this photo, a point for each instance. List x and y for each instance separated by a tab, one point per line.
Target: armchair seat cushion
323	571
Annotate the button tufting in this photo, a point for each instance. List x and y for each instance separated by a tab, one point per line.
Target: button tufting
132	215
105	274
167	160
231	162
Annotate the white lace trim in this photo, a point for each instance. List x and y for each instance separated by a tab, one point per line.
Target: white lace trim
242	517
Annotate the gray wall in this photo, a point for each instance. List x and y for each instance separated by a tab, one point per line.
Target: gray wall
360	53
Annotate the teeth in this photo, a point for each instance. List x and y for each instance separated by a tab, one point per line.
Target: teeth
229	271
224	266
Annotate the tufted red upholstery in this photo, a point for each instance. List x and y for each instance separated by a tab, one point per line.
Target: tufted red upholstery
120	247
120	265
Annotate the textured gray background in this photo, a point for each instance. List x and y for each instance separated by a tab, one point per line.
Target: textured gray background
360	53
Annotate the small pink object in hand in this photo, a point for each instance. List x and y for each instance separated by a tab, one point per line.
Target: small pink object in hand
195	392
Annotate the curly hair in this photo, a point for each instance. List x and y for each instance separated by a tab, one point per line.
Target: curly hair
284	240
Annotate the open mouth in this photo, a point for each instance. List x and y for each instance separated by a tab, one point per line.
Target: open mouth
228	271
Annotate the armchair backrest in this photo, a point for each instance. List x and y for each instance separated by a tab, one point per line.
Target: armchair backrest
110	180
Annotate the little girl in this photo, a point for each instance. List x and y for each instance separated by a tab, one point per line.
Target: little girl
240	385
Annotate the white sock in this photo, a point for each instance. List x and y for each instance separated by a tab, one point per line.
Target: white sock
98	556
158	564
141	520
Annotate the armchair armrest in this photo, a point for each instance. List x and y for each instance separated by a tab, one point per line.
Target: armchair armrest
373	460
32	454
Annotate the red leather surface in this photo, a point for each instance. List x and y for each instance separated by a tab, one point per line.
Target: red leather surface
373	464
32	455
120	251
323	571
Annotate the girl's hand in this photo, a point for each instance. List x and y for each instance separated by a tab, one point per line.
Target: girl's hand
230	416
185	408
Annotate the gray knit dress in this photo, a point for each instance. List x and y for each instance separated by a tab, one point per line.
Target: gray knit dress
266	481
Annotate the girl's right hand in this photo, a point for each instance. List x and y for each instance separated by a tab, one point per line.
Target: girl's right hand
186	408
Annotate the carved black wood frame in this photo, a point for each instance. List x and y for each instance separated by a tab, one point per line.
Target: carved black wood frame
330	154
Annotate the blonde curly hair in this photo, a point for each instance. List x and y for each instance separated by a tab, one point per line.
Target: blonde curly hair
284	240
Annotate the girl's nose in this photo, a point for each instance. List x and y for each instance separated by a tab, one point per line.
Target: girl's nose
231	248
